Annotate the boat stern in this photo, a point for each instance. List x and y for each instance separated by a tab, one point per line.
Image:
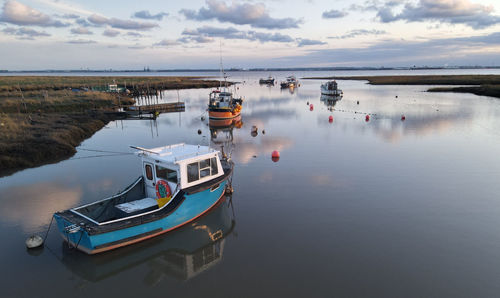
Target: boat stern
73	233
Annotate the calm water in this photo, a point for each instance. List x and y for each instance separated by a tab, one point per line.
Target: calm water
352	208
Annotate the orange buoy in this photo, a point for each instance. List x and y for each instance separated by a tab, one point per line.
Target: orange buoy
403	118
330	119
367	118
275	156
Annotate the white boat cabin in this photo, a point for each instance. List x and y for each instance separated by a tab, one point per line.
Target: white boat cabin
221	99
181	165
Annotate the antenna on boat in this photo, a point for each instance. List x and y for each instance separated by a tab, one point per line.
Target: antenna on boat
221	67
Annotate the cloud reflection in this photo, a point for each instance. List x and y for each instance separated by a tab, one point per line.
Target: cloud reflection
31	206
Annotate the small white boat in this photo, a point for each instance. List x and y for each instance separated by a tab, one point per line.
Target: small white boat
290	82
268	81
330	88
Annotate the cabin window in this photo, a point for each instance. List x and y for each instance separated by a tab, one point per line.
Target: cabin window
204	168
193	172
167	174
213	162
149	172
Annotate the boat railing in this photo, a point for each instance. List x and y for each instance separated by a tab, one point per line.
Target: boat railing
128	217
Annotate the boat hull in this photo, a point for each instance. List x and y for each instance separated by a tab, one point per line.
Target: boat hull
193	206
217	114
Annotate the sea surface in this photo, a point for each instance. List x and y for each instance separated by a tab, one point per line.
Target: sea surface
353	208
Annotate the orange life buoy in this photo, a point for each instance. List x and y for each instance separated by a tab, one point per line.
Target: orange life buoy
162	189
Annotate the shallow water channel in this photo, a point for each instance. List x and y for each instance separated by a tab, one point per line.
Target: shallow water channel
383	207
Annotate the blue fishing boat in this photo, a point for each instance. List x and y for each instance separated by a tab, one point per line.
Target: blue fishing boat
183	254
179	183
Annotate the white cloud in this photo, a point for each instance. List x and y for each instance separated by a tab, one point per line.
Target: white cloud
19	14
81	41
255	15
145	14
120	24
465	12
24	33
81	31
111	33
333	14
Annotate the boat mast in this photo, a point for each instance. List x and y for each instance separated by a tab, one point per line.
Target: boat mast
222	73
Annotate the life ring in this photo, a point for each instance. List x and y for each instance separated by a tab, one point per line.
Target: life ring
162	189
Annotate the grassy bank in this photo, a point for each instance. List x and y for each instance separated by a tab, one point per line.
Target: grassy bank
42	120
487	85
27	83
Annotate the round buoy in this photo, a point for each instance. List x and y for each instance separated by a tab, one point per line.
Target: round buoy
311	107
403	118
307	103
367	118
263	131
254	133
202	118
357	102
199	131
275	156
34	241
330	119
396	96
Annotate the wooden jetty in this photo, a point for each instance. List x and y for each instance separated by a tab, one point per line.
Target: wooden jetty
149	111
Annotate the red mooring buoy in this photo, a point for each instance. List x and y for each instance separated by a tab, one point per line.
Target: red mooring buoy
403	118
330	119
275	156
311	107
367	118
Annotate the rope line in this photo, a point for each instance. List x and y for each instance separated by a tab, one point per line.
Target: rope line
104	151
47	234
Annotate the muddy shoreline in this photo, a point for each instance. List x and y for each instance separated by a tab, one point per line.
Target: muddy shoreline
43	120
485	85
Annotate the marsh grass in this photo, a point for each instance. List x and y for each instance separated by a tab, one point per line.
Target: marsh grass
42	119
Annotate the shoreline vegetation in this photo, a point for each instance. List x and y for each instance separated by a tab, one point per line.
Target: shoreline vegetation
485	85
44	118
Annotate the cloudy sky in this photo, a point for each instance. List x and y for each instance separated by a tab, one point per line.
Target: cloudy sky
65	34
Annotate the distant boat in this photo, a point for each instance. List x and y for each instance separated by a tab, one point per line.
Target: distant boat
221	103
178	184
330	88
290	82
268	81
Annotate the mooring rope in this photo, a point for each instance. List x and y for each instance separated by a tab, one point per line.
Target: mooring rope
104	151
102	155
47	234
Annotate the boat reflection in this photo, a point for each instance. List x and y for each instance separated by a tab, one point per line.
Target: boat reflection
221	133
330	100
181	254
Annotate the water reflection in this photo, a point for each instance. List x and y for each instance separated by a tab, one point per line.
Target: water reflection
32	205
330	100
181	254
